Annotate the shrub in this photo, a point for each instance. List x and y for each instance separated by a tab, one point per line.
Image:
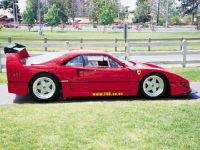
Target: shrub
187	20
175	20
1	27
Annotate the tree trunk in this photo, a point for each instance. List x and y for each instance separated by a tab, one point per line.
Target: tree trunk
193	18
198	22
29	28
104	28
51	28
158	12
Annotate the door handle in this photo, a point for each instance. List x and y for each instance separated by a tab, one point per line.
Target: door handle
78	71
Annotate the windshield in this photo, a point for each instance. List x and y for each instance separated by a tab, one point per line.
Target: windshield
127	63
43	58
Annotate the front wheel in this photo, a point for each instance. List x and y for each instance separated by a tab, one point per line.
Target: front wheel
44	88
153	86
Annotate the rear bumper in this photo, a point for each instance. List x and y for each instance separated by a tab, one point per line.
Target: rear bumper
18	88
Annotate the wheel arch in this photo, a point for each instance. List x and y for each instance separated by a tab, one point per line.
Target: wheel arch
52	74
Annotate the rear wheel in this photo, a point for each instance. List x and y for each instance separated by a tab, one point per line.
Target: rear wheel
153	86
44	88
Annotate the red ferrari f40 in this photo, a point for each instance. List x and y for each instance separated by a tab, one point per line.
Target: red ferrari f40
86	73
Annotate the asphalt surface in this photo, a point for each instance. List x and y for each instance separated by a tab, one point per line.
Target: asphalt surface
8	98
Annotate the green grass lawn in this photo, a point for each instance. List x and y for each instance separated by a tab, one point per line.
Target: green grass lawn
3	78
124	123
17	33
111	125
193	74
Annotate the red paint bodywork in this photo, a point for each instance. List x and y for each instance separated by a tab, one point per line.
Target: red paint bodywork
84	81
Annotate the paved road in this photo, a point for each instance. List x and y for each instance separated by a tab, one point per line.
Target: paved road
165	57
7	98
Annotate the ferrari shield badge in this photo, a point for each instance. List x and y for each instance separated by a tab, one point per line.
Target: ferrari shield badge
139	72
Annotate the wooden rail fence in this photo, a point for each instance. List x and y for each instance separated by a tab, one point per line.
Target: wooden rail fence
129	46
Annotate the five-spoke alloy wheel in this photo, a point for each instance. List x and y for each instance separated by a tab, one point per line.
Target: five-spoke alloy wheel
44	87
153	86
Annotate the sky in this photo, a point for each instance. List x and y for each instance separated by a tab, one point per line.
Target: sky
130	3
22	5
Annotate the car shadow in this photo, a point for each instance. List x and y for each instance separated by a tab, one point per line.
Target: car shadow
29	100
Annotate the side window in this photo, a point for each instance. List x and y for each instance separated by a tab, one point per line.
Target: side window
114	64
96	61
77	61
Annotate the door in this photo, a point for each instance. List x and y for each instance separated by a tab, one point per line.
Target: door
103	74
95	74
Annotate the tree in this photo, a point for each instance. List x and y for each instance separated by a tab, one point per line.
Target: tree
94	10
189	7
34	7
34	4
142	12
106	15
123	12
71	9
52	16
175	20
67	9
28	17
166	8
102	11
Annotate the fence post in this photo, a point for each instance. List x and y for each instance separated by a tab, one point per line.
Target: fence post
67	45
81	41
9	40
116	40
45	44
0	62
184	53
181	47
149	44
127	52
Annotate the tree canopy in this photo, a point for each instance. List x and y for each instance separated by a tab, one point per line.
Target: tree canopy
67	9
52	17
142	13
28	17
189	7
102	11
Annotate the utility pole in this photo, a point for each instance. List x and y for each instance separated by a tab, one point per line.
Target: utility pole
14	12
158	13
198	17
39	19
167	17
119	9
17	21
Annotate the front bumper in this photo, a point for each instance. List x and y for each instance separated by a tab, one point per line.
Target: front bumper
179	88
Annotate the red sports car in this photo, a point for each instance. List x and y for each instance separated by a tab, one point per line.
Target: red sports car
85	73
10	25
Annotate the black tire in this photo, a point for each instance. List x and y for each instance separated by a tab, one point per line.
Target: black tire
153	92
53	95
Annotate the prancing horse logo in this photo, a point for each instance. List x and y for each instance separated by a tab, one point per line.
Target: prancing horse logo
139	72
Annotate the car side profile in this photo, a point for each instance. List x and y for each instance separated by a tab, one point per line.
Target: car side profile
87	73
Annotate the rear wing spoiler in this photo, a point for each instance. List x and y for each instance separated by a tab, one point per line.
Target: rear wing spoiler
16	48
